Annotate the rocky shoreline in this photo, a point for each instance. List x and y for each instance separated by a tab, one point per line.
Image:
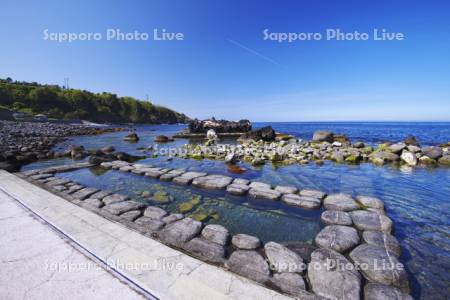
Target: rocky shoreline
356	238
25	142
284	149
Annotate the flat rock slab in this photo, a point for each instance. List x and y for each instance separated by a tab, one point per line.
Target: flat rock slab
85	193
126	168
102	194
283	260
338	238
333	282
41	176
342	202
180	231
187	177
131	215
336	217
242	181
366	220
237	189
172	218
380	266
156	172
260	185
171	175
312	193
114	198
301	201
92	202
371	202
286	189
59	188
216	234
264	193
249	264
291	284
376	291
218	182
155	213
74	188
245	241
206	250
382	240
122	207
149	223
59	181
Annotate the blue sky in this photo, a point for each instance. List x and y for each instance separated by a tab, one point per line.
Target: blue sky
225	68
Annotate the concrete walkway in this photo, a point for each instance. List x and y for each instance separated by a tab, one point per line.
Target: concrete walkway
37	263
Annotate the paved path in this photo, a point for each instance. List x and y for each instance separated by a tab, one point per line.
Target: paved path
38	263
30	251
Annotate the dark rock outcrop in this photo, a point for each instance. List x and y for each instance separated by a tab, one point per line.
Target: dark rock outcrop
265	134
219	126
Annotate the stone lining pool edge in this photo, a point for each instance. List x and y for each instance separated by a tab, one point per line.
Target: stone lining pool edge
368	238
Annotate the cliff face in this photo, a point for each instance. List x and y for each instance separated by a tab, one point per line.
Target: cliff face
219	126
59	103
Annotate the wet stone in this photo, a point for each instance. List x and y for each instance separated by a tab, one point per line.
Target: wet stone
237	189
377	291
171	175
172	218
282	259
366	220
59	188
106	165
126	168
59	181
336	217
301	201
41	176
338	238
216	233
335	282
374	258
242	181
74	188
149	223
114	198
92	202
264	193
102	194
342	202
84	193
122	207
206	250
382	240
138	171
187	177
156	172
260	185
212	182
131	215
245	241
249	264
371	202
180	231
286	189
154	213
312	193
292	284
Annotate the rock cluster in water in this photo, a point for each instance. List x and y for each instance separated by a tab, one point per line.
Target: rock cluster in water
324	146
354	248
24	142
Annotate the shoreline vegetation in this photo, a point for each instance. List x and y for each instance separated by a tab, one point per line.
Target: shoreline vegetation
57	102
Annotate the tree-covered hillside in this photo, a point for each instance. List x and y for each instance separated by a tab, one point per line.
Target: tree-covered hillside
59	103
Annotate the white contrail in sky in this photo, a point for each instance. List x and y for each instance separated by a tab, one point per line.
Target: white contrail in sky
253	52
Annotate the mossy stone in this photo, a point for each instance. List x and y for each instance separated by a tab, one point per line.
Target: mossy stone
185	207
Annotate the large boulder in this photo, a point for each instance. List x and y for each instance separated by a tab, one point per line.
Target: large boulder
282	259
249	264
367	220
432	152
376	291
180	231
379	266
245	241
212	182
323	136
342	202
219	126
332	276
206	250
337	237
265	134
336	217
409	158
132	137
